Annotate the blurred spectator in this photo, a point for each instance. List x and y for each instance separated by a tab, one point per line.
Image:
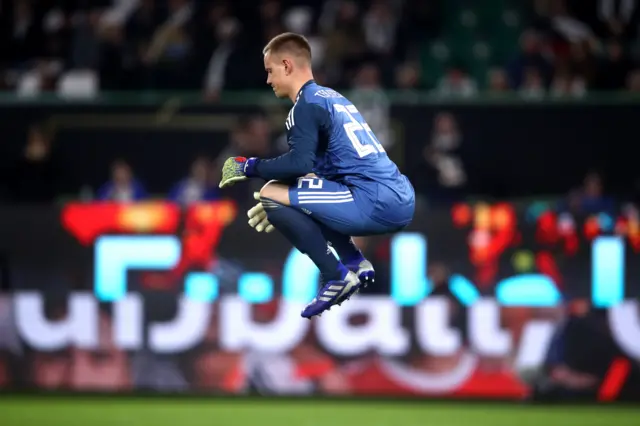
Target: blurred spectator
239	137
530	56
609	18
251	137
259	142
579	355
443	171
219	371
345	39
170	41
565	24
561	84
22	27
216	369
582	65
170	47
33	177
216	46
372	102
633	81
456	82
420	21
50	370
226	31
157	372
439	274
408	77
303	370
613	68
138	30
239	140
459	372
104	369
195	187
270	11
533	84
301	20
590	199
122	187
565	85
86	47
379	24
141	24
498	81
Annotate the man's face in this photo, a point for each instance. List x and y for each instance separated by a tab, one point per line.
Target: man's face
445	124
276	75
593	185
200	169
530	43
121	174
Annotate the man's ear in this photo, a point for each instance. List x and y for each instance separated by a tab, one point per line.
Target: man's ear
288	66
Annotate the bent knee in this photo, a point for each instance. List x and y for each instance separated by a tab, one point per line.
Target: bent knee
276	191
268	188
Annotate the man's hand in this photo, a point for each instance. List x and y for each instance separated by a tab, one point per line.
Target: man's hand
258	217
236	169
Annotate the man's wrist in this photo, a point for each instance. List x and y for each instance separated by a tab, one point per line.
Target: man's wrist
250	167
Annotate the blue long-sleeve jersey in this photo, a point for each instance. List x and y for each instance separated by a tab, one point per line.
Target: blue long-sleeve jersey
329	137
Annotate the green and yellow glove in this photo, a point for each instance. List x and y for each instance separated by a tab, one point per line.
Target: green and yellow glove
236	169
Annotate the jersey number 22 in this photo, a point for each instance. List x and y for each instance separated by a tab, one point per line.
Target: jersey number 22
363	146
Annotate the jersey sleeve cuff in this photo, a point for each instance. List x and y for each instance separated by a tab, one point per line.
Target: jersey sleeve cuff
250	167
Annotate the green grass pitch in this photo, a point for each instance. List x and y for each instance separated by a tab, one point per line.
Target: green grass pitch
115	411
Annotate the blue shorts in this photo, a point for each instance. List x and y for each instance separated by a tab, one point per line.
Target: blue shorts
339	207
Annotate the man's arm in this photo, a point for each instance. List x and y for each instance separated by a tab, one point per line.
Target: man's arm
306	123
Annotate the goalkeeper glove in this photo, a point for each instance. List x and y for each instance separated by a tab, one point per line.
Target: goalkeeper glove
258	217
236	169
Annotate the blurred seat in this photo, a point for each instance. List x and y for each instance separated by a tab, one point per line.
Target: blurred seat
434	59
478	35
29	84
78	83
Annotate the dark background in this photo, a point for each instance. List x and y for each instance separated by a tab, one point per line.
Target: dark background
511	147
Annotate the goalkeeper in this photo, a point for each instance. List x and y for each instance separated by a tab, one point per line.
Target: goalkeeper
349	187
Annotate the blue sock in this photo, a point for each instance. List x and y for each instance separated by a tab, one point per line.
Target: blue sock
305	234
343	245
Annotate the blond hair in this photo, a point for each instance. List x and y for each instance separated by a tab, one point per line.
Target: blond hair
292	43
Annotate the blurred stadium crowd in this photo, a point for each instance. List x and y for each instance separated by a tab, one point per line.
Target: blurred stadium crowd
441	175
452	47
455	47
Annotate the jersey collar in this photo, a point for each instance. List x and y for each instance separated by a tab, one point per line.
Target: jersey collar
304	86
